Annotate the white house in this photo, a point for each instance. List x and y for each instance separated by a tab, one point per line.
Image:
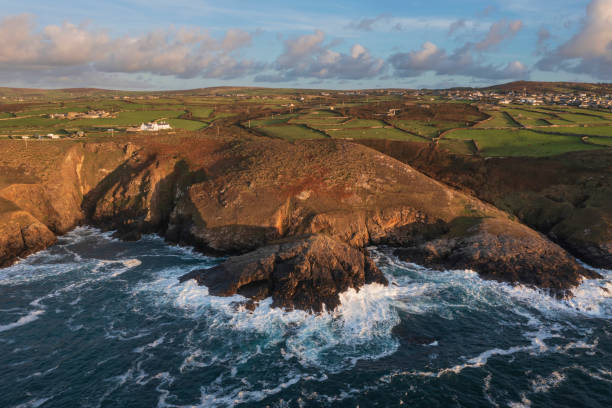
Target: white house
154	126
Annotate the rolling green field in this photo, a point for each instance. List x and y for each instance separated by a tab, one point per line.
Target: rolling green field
186	124
513	130
499	143
379	133
583	131
604	141
530	118
199	111
363	123
498	119
426	129
464	147
291	132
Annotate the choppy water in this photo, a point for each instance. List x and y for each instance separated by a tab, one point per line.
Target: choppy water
98	322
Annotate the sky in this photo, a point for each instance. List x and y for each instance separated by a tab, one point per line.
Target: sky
344	44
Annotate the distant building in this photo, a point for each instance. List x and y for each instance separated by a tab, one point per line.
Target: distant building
154	126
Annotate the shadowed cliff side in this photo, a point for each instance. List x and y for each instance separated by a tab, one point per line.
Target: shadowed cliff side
566	197
253	193
234	196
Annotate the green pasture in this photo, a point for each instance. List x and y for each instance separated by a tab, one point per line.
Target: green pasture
185	124
499	119
426	129
509	142
377	133
291	132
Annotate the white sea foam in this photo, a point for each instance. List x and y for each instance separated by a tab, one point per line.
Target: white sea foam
34	403
126	263
29	318
544	384
151	345
364	316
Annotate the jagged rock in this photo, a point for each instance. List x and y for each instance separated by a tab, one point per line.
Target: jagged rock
503	252
233	196
306	273
567	197
21	235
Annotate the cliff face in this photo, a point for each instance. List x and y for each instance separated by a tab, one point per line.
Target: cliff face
232	197
42	191
567	197
308	273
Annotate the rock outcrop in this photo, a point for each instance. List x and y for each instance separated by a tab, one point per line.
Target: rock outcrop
566	197
305	273
234	196
489	248
21	235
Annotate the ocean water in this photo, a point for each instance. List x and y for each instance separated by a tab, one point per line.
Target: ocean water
96	322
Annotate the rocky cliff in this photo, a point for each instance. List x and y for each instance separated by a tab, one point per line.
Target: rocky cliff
566	197
233	196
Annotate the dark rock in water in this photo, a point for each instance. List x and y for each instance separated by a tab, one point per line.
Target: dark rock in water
304	273
503	252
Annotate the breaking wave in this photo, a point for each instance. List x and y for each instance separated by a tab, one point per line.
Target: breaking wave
118	317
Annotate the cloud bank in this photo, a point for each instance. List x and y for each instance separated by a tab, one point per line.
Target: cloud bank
590	50
184	53
309	56
465	60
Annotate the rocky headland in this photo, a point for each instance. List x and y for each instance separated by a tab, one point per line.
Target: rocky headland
292	218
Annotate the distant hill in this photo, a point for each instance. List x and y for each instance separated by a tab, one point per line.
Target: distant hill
518	86
538	87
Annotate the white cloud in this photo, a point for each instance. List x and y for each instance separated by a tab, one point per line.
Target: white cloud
308	56
185	53
590	50
431	58
465	60
498	32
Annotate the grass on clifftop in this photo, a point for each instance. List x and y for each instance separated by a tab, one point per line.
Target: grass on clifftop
507	142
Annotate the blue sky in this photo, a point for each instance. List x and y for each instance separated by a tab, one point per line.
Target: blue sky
137	44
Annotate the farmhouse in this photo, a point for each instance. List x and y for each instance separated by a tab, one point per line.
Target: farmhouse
151	127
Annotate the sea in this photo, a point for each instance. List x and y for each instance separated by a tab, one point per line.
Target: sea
98	322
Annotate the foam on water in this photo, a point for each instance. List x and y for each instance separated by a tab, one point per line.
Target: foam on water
173	334
29	318
365	317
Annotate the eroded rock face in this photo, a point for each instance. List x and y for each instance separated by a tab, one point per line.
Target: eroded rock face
21	235
307	273
232	197
508	253
566	197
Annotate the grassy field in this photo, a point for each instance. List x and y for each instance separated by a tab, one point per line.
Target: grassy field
291	132
363	123
529	118
604	141
380	133
199	111
186	124
270	120
426	129
498	119
497	143
43	124
465	147
583	131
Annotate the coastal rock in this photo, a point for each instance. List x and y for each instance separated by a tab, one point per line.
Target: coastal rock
21	235
233	196
566	197
307	273
503	252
